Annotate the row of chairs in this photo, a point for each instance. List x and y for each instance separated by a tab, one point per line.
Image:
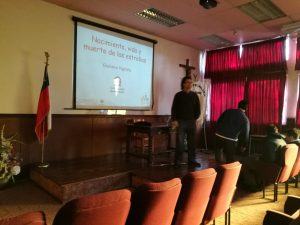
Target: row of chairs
198	198
276	174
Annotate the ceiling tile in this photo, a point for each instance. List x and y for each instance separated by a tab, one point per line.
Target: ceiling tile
254	33
224	20
277	24
295	17
229	17
238	2
288	6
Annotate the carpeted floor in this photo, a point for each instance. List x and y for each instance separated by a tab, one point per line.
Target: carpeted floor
247	208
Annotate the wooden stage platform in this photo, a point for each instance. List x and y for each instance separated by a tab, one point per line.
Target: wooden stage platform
75	178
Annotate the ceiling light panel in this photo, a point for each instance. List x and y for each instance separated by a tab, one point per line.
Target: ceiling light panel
216	40
160	17
262	10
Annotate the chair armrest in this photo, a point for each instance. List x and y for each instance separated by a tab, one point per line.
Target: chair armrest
274	217
292	204
35	217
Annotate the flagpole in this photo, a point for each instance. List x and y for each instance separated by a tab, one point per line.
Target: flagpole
42	163
43	143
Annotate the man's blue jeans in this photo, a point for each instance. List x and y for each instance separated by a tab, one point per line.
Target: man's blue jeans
186	128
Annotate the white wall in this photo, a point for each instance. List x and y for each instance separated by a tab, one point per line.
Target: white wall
30	27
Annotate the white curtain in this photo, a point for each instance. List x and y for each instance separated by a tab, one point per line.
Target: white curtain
202	86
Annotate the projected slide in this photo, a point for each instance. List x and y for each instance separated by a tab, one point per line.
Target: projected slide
113	71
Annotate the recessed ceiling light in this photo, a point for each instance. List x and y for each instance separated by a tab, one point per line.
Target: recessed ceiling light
160	17
216	40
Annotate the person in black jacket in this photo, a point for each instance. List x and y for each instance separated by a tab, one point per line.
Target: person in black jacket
185	111
232	131
272	148
272	145
292	136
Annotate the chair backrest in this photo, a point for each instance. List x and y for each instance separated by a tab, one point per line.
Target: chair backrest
32	218
296	167
154	203
289	153
109	208
194	197
223	191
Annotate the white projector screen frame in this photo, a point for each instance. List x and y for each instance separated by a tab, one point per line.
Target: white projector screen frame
113	69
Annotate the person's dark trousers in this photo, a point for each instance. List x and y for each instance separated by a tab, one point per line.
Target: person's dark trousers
228	147
185	128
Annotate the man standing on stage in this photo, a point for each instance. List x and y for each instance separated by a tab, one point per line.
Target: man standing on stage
185	112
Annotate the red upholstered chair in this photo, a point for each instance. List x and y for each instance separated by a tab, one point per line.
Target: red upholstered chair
154	203
109	208
290	215
223	192
194	197
31	218
274	173
296	169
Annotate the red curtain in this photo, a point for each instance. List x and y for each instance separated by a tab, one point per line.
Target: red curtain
265	66
265	97
264	58
297	66
220	90
222	63
259	76
222	66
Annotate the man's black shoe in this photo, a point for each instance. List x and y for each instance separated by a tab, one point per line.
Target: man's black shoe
194	163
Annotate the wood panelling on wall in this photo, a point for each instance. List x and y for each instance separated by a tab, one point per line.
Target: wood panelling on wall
72	136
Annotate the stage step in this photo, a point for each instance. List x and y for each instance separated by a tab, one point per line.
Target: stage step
75	178
71	179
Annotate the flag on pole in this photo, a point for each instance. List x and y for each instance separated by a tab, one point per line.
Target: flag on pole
43	115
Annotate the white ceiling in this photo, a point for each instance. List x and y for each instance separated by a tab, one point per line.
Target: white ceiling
226	20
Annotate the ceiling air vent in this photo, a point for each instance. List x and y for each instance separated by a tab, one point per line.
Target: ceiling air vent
160	17
291	28
216	40
262	10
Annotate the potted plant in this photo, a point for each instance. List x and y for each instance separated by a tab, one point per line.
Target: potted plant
9	159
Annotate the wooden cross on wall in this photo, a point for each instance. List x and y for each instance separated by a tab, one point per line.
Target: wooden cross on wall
187	68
